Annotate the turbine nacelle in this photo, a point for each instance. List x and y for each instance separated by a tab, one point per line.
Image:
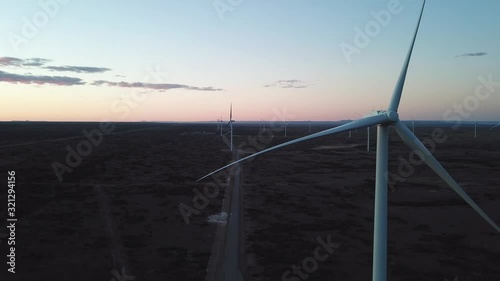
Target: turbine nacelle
392	116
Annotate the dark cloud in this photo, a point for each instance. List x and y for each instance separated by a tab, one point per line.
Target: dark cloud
40	80
153	86
35	62
29	78
78	69
39	62
292	83
10	61
480	54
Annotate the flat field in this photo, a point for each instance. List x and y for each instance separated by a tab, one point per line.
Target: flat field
118	205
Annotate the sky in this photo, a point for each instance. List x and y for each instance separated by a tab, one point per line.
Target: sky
74	60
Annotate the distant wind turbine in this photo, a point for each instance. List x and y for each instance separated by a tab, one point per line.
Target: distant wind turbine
383	120
286	123
475	129
349	119
230	123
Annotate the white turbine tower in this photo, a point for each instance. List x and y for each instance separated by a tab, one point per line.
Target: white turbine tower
230	123
367	130
383	120
220	122
349	120
309	126
286	123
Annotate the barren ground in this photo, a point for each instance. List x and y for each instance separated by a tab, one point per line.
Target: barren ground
291	197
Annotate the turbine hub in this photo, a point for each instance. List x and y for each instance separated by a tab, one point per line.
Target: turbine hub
392	115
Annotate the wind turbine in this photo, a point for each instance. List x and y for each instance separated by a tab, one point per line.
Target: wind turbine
349	119
286	123
475	129
367	132
230	123
220	122
309	126
385	119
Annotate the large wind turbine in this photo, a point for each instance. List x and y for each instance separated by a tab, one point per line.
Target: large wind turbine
385	119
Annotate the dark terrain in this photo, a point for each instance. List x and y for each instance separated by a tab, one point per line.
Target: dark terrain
120	206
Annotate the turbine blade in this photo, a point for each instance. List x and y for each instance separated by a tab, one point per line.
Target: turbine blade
414	143
361	123
398	89
494	126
